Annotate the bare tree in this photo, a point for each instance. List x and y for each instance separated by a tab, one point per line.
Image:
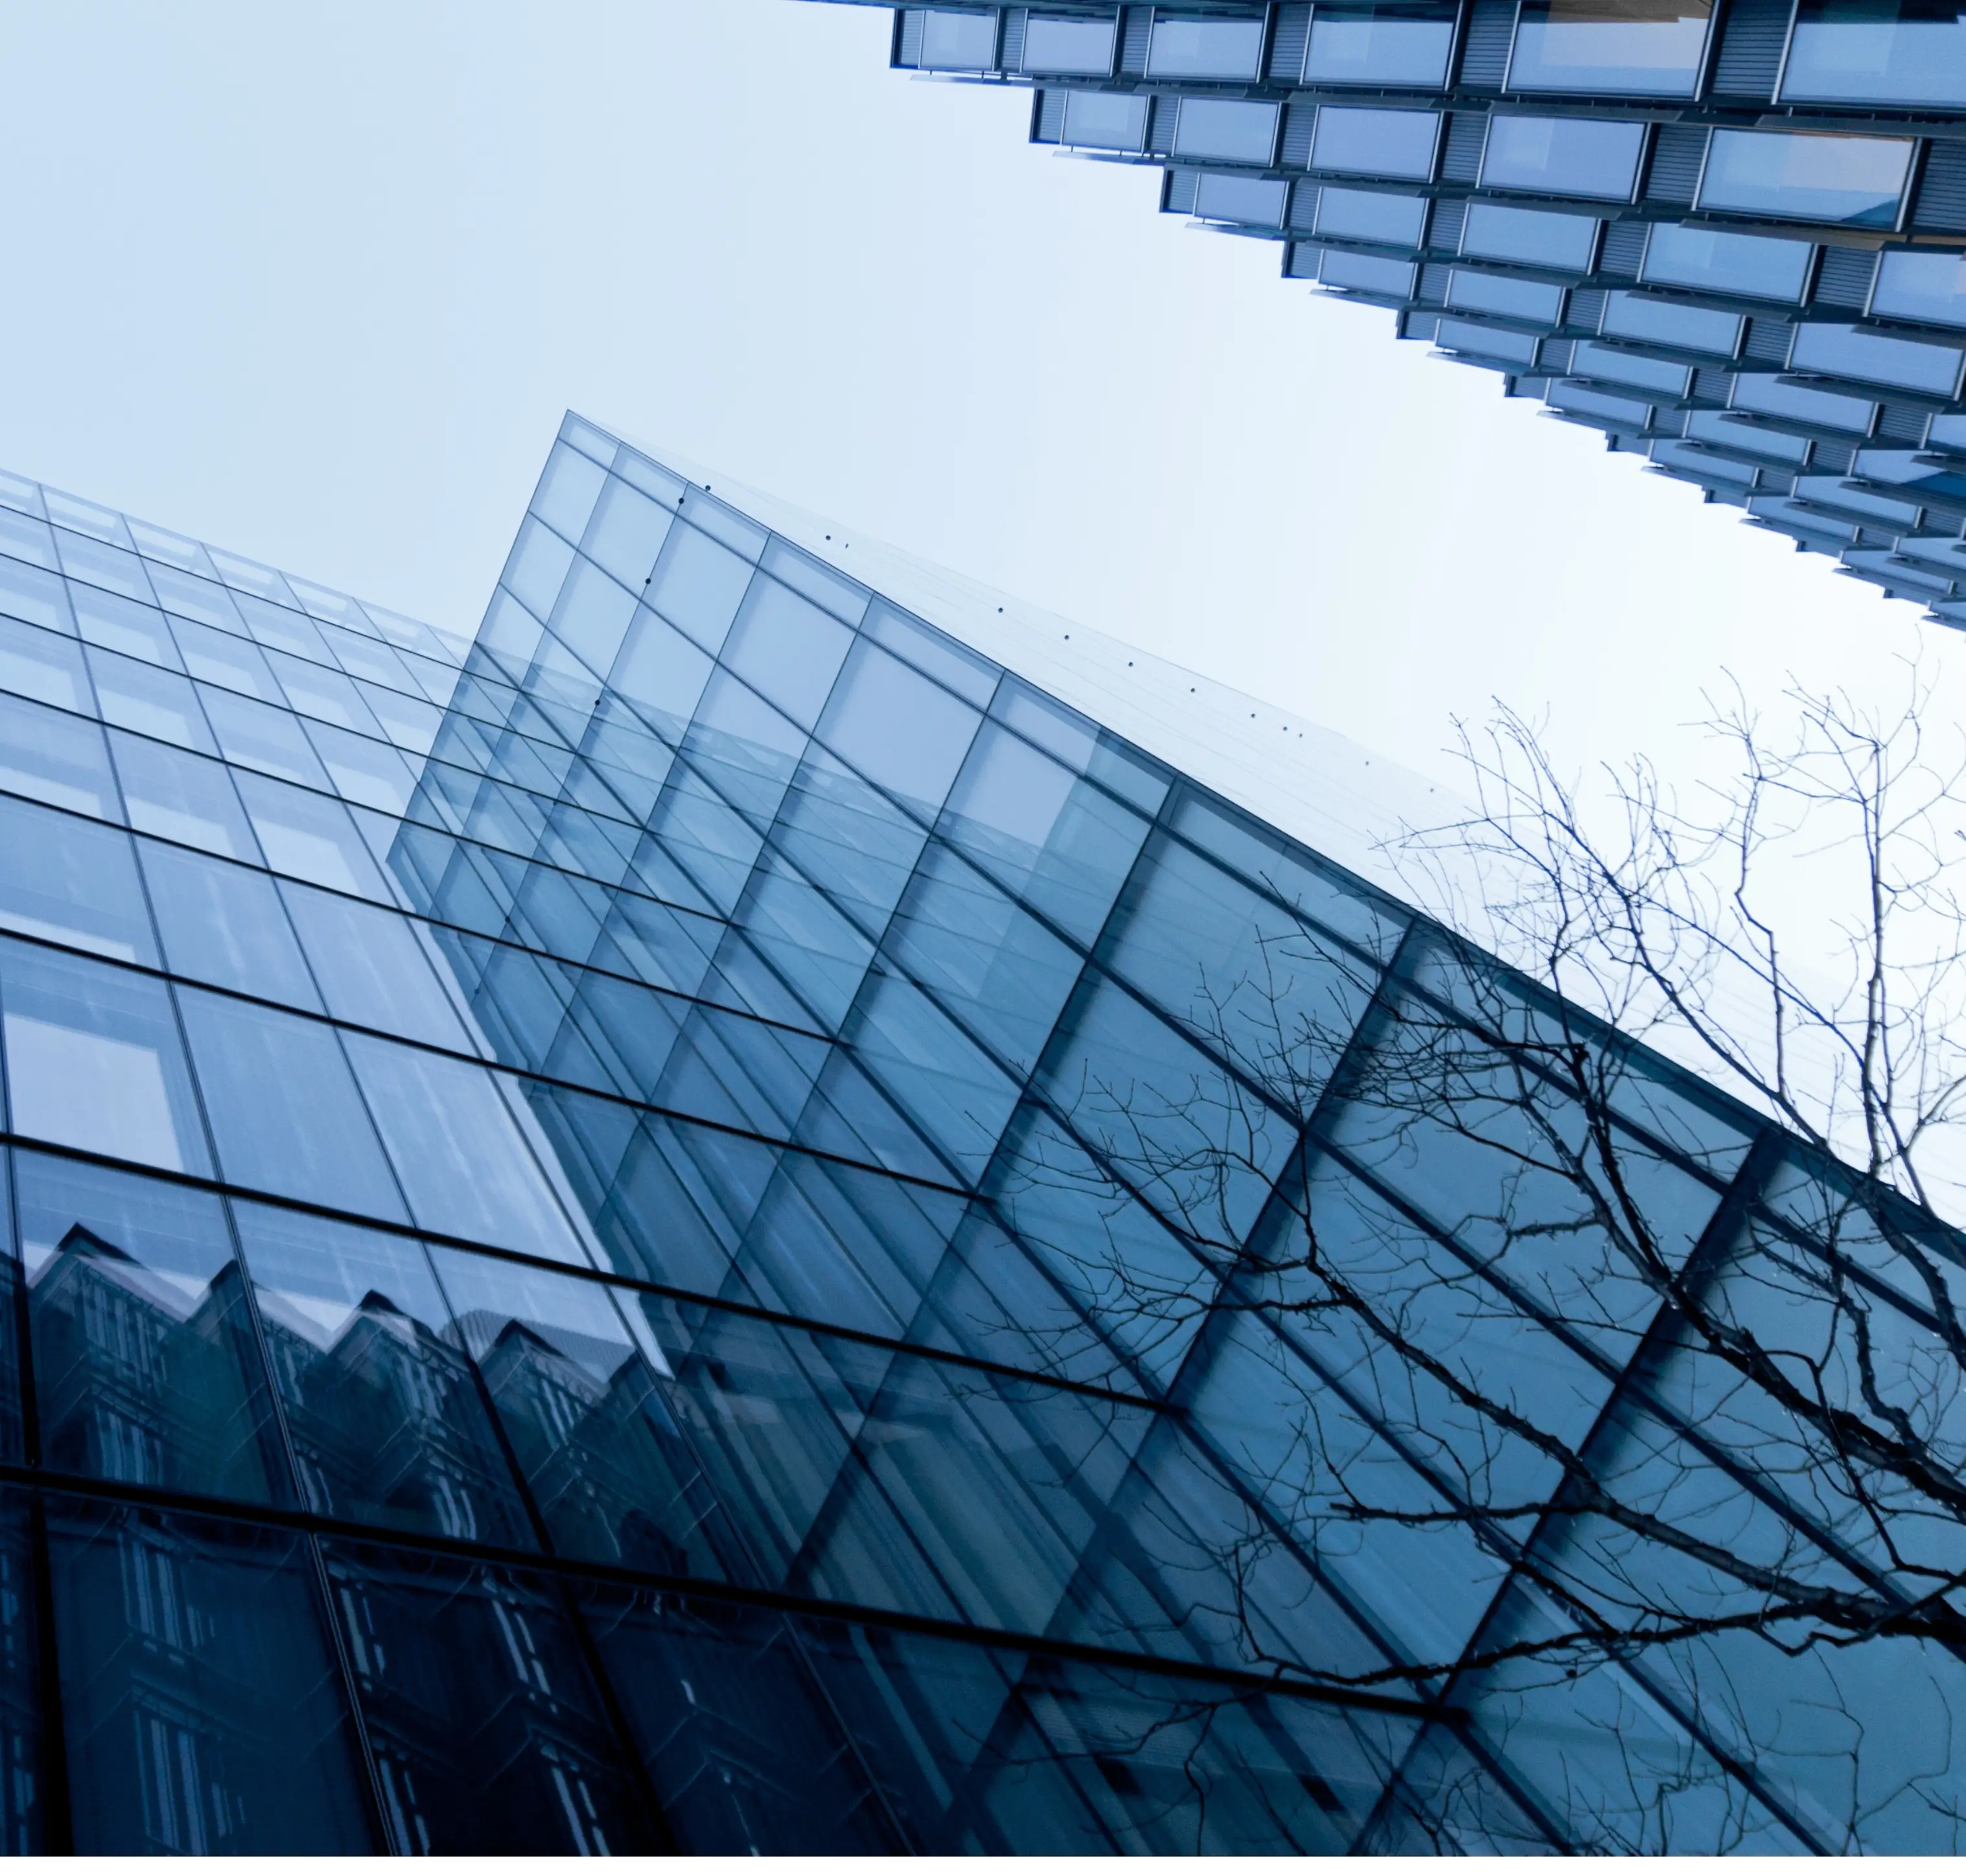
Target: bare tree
1574	1304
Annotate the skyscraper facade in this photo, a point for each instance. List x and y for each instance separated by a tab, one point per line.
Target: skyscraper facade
710	1222
1730	234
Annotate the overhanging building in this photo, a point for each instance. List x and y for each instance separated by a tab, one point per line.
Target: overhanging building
630	1235
1726	233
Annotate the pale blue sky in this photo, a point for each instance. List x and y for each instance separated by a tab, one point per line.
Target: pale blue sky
316	284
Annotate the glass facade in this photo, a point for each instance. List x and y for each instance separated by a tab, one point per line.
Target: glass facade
609	1251
1563	192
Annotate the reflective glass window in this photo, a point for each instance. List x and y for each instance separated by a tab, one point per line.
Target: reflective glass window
785	647
316	691
1368	215
222	658
1922	286
371	968
568	486
141	697
43	666
1808	175
256	735
311	837
388	1424
447	1654
284	1107
1356	42
199	1699
1205	48
1897	52
1375	143
1609	48
183	797
626	533
1587	156
1367	273
24	1796
1671	322
1828	408
1758	266
24	538
698	584
146	1369
1568	395
190	597
1228	129
55	758
224	923
72	881
120	624
1533	235
1876	358
38	598
94	1062
1502	293
904	733
1715	426
1100	120
1068	47
1592	360
958	42
1257	201
1462	335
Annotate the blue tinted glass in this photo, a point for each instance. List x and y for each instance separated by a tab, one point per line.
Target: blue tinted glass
959	42
38	664
1587	156
1105	120
1912	285
1533	235
1499	293
1858	182
1460	335
1231	129
40	598
154	702
1258	200
1068	45
1828	409
1757	265
787	648
627	533
1598	46
904	733
72	881
181	796
697	584
1902	52
1205	48
120	624
1375	143
55	757
1591	360
1876	358
93	1060
1352	43
1669	322
224	924
371	968
310	836
1367	215
1367	273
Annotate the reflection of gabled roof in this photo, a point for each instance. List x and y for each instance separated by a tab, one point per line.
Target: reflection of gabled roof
82	1248
598	1356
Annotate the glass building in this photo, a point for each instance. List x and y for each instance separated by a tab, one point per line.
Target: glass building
636	1235
1732	237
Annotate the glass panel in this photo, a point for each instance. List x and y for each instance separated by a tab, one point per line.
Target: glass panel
1898	52
40	665
1357	42
1068	45
224	923
904	733
1228	130
1367	273
386	1421
119	624
959	42
568	486
72	881
40	598
1500	293
1375	143
627	533
55	758
1774	398
1921	286
93	1060
1757	266
488	1737
1856	181
146	1369
221	658
1610	48
181	796
1671	322
1563	157
200	1700
154	702
257	736
373	971
1533	235
1206	48
698	582
1105	121
1462	335
1367	215
1591	360
311	837
1257	201
24	1790
1876	358
786	649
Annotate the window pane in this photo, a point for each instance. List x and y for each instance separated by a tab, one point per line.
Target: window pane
1232	129
40	664
93	1060
224	923
386	1419
1068	45
787	650
283	1107
257	736
1365	44
372	970
1859	182
1367	273
310	836
1105	120
71	881
1533	235
38	597
202	1709
1757	266
698	582
1375	143
1505	295
1669	322
1907	51
1921	286
181	796
959	42
1563	157
1366	215
151	702
1216	48
54	757
146	1367
904	733
118	624
488	1736
1876	358
1644	48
